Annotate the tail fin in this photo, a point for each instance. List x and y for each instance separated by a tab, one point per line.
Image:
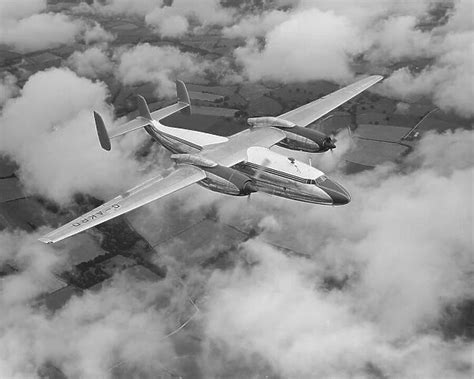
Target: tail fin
143	109
102	132
145	117
183	96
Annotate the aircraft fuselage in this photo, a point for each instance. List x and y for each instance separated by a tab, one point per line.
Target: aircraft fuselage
263	171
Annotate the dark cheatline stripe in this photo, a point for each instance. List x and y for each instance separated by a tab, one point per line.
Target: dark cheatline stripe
276	172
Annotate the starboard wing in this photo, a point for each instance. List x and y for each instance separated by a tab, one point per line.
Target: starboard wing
142	194
310	112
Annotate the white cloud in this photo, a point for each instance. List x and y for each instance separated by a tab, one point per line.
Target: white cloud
16	10
92	62
97	33
39	31
49	131
8	87
309	45
405	256
118	326
255	25
114	7
205	12
449	80
320	39
167	23
396	38
160	65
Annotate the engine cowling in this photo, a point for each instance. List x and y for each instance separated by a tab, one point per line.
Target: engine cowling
260	122
297	138
308	140
228	181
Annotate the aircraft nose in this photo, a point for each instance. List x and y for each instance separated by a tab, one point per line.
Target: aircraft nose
338	193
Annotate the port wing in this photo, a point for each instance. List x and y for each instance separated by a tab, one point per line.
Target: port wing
142	194
310	112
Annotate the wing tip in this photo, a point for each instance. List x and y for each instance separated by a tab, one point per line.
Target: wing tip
377	78
46	240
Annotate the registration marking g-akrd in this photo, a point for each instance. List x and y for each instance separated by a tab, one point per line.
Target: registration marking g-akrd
96	215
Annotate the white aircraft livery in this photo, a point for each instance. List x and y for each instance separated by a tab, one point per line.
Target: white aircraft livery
238	165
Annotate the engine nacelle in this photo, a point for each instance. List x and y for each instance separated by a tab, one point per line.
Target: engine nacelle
297	138
228	181
260	122
308	140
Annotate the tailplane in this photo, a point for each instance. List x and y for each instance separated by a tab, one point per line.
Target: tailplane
145	117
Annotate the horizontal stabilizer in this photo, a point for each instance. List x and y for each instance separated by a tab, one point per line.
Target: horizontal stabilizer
145	117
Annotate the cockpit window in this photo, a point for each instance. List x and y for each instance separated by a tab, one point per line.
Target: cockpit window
321	179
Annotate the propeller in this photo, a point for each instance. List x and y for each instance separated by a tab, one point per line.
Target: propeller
329	143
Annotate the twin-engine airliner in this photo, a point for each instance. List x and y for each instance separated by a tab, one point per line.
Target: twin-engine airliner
238	165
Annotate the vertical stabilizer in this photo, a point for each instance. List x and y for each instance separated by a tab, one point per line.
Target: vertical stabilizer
102	132
183	96
143	108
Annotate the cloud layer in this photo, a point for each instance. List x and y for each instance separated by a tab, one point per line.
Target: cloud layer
397	272
367	288
321	40
49	131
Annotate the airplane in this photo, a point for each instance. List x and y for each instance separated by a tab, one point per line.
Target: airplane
237	165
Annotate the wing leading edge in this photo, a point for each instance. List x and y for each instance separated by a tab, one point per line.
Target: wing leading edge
142	194
310	112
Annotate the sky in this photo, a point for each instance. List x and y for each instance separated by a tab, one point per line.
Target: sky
376	282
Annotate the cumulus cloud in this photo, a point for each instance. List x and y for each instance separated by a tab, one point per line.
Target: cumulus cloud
92	62
309	45
14	10
167	23
39	31
168	19
114	7
48	130
119	326
35	263
205	12
26	27
394	274
160	65
321	40
97	33
255	25
449	80
396	38
366	294
8	87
